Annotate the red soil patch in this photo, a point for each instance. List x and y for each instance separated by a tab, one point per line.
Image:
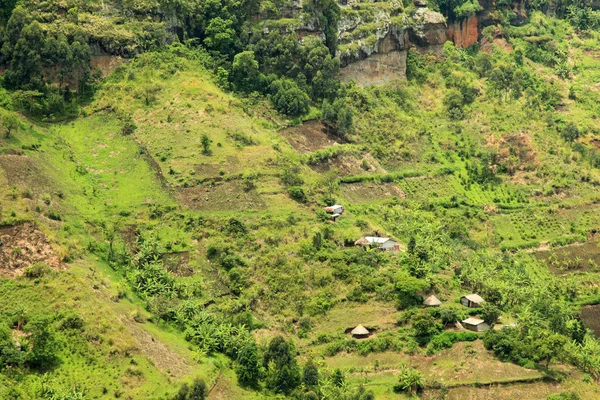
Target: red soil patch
310	136
22	246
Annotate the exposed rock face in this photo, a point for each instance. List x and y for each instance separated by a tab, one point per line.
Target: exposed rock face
382	56
464	33
429	28
376	69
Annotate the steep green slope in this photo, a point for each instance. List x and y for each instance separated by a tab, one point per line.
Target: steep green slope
183	231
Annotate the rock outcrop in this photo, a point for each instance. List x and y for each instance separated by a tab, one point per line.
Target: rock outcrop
464	33
378	55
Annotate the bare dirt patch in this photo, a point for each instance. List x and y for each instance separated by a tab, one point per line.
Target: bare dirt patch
348	165
368	192
222	196
310	136
21	246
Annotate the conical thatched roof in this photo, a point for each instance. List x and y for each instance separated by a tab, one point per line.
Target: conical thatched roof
432	301
360	330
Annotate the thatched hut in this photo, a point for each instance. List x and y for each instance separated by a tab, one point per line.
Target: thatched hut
360	332
432	301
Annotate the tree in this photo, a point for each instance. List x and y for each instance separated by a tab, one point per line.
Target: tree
407	289
425	326
328	114
43	346
330	180
206	141
248	368
570	132
221	37
490	314
338	378
449	315
345	123
288	98
10	354
310	374
327	14
10	122
283	373
197	391
409	380
245	74
454	102
548	347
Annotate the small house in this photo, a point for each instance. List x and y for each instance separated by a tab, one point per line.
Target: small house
432	301
475	324
360	332
334	217
381	243
471	300
335	209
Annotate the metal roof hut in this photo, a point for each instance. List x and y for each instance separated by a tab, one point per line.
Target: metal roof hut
432	301
471	300
360	332
475	324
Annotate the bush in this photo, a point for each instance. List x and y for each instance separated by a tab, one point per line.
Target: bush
409	380
297	193
37	270
196	391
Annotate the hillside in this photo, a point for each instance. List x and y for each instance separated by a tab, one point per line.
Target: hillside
164	168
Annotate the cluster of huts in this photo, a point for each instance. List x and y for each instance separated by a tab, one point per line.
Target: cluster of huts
468	300
471	323
382	243
335	210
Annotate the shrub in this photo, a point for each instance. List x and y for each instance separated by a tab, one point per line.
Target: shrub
297	193
37	270
196	391
409	380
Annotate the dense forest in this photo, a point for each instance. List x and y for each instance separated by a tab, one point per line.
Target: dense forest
166	168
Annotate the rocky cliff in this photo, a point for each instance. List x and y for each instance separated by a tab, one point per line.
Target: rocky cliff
378	52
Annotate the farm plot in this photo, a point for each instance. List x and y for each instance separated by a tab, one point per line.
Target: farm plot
545	224
575	257
367	192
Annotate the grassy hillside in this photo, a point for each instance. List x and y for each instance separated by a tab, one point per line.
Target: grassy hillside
166	229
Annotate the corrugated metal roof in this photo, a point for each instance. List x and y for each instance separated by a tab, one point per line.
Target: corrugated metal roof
375	239
475	298
473	321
